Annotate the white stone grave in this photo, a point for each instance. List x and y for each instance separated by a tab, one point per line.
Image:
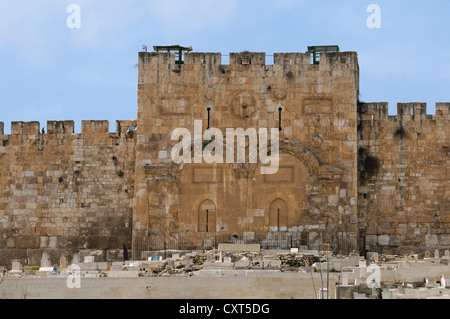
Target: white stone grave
88	259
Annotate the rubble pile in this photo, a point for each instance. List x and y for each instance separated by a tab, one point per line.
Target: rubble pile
372	276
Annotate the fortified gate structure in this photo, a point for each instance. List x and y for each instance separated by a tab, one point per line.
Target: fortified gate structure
350	175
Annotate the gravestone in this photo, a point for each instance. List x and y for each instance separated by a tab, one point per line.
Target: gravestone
427	254
227	260
45	260
345	280
170	264
63	263
436	253
239	247
16	267
45	271
88	259
76	258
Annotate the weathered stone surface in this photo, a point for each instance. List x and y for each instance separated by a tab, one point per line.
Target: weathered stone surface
317	171
60	191
349	174
383	240
403	164
239	247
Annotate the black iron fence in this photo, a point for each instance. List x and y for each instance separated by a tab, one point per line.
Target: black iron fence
341	242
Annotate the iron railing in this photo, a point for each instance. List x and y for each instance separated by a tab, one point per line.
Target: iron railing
144	248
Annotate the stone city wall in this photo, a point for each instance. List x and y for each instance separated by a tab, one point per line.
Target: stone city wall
349	174
61	191
404	177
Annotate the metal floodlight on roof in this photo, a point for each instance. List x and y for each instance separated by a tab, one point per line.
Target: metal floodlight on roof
177	49
317	49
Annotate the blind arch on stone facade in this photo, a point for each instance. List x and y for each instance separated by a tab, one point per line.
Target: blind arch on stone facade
207	216
278	215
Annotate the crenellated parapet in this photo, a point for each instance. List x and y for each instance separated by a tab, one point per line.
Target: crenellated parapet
93	132
405	111
410	116
60	127
248	58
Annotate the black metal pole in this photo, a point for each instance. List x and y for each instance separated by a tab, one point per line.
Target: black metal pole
208	109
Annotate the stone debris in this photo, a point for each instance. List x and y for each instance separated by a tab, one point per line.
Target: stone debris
376	276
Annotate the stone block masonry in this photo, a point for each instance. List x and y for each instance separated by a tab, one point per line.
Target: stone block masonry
350	175
315	189
61	191
404	177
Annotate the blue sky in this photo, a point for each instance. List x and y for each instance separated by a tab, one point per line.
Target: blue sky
49	71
